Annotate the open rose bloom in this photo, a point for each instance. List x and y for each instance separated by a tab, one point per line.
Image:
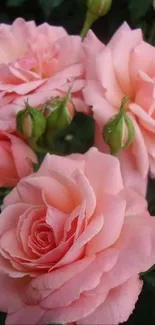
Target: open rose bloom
124	67
37	64
73	241
16	159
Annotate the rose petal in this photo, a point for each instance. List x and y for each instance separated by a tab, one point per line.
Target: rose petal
118	306
103	172
113	210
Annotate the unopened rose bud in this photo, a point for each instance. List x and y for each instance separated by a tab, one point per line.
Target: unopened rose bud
60	113
119	131
99	7
55	104
95	10
30	122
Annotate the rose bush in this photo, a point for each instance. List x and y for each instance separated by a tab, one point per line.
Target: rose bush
16	159
73	241
124	67
37	64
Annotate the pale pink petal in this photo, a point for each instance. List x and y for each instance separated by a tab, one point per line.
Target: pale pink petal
10	216
6	267
144	97
139	150
135	247
31	314
116	37
25	193
8	76
80	105
77	217
145	119
53	32
92	45
50	259
121	58
10	244
56	220
23	30
9	50
25	88
54	193
69	184
63	165
77	248
103	172
149	139
87	280
135	203
80	308
113	210
10	300
8	172
130	173
94	96
87	192
107	77
118	306
24	228
52	281
142	58
24	156
70	45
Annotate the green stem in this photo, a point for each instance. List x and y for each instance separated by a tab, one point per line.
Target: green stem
89	20
123	103
32	143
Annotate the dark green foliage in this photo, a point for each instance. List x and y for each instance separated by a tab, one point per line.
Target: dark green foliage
15	3
78	137
139	8
151	196
48	5
2	318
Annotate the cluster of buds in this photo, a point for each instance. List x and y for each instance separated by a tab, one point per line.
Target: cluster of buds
119	131
43	125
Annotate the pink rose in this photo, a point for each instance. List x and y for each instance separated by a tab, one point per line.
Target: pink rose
16	159
72	243
125	67
36	64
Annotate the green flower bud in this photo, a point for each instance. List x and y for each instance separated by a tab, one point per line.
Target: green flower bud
119	132
95	10
99	7
59	116
31	122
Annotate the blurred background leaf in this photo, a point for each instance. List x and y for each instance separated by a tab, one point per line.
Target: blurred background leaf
48	5
78	137
139	8
15	3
